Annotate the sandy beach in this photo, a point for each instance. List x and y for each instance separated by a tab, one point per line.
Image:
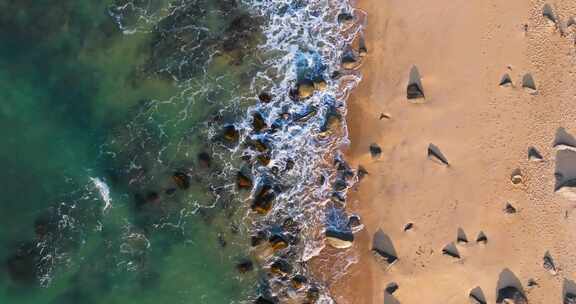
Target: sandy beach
462	50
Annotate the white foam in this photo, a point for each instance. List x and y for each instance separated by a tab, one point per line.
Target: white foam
104	192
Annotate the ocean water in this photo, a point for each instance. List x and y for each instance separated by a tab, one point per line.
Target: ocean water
125	126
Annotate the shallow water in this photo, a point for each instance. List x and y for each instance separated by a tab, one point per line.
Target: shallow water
118	186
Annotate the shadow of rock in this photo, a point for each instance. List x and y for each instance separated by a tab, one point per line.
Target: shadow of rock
509	287
383	248
477	296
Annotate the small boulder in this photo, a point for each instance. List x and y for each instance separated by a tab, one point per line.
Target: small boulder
529	84
516	177
548	264
436	155
534	155
509	209
392	287
243	181
305	89
461	237
245	266
569	298
511	295
298	281
281	267
451	251
265	97
375	150
408	226
258	122
339	239
230	134
414	90
506	81
181	179
262	202
481	238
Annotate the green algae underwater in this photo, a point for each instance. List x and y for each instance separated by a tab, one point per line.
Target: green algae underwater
94	91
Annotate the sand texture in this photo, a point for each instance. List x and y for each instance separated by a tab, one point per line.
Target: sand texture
481	152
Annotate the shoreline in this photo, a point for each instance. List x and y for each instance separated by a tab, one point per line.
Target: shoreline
462	50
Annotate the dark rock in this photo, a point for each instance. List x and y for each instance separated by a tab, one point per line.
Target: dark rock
548	13
263	159
258	238
482	238
528	83
305	89
534	155
375	150
278	242
509	209
383	249
414	90
345	18
298	281
451	251
349	60
264	300
259	145
435	154
320	84
230	134
263	199
548	263
461	237
181	179
361	172
312	295
506	81
408	226
339	239
22	265
392	287
204	159
280	267
533	283
221	241
512	294
265	97
362	49
569	298
243	181
258	123
476	296
354	221
170	191
245	266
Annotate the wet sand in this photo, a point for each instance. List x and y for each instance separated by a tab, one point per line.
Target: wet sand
462	49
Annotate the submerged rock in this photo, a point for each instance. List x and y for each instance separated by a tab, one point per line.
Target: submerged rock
204	159
278	242
181	179
245	266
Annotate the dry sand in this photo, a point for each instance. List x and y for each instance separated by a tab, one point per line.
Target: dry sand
462	49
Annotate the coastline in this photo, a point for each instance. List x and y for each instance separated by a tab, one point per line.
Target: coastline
462	50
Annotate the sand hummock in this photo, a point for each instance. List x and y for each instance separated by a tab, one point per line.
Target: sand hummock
488	88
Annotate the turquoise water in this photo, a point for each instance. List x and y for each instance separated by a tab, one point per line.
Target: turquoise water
80	99
119	175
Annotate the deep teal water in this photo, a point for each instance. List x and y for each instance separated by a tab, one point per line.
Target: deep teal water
78	100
